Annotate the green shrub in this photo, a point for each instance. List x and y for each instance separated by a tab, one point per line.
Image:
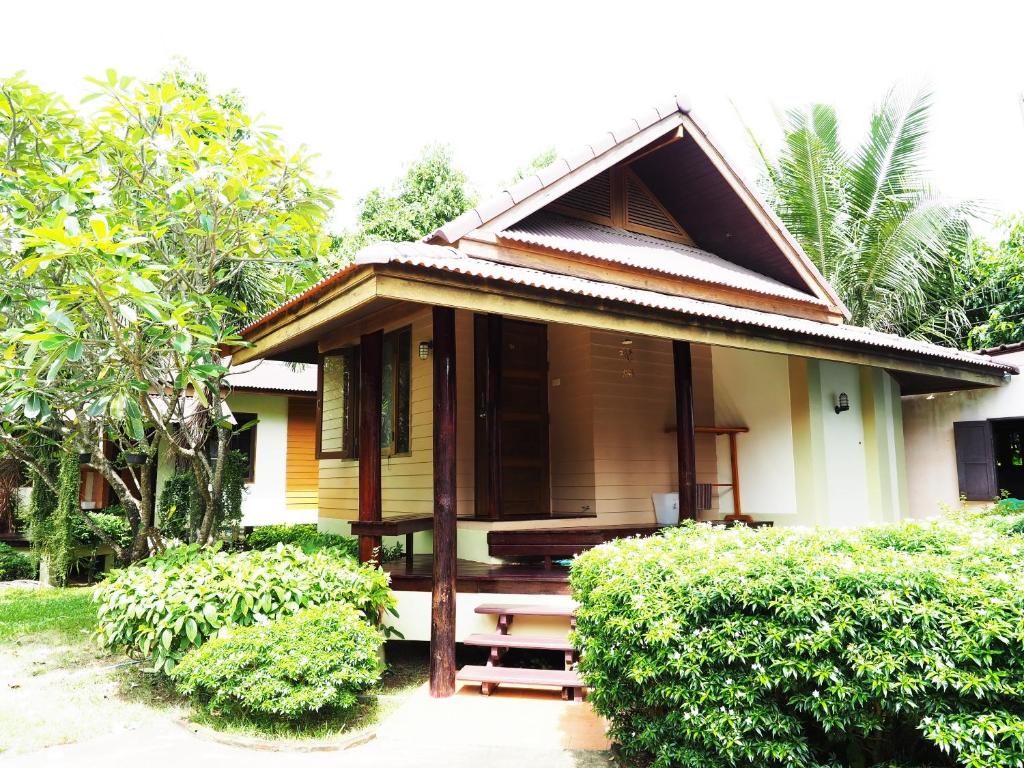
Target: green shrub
318	658
896	645
15	564
309	539
167	605
111	521
302	535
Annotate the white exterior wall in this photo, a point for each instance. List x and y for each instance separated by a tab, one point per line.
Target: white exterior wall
264	500
845	466
928	434
752	390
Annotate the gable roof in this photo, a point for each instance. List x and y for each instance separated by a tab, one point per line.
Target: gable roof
665	143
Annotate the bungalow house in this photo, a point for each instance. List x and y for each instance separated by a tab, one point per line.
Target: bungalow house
966	444
278	400
530	378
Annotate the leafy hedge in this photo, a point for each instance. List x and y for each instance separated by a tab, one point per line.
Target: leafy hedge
303	535
165	606
15	565
320	657
307	537
898	645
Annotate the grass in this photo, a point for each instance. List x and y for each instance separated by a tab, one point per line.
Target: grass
25	613
59	687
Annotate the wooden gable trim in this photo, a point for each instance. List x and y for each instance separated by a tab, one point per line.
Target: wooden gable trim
794	254
357	291
493	248
585	172
477	295
620	177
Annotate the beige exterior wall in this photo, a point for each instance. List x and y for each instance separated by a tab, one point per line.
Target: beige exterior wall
932	483
610	404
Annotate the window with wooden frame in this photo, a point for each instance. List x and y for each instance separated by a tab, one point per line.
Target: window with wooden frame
338	399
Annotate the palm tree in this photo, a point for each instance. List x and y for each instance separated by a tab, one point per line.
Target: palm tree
887	242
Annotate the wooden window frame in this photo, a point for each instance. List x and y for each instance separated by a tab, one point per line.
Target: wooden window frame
350	400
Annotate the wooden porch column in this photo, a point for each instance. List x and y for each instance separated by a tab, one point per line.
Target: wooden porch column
686	442
442	606
371	348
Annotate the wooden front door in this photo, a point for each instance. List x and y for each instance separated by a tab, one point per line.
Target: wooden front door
512	462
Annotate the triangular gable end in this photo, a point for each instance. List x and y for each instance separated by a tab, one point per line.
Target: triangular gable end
662	176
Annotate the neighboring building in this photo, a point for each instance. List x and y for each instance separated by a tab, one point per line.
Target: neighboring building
628	321
282	485
966	444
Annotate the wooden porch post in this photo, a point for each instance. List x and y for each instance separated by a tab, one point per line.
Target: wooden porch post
442	606
371	348
685	437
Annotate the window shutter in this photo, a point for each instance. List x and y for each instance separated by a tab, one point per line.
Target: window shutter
975	460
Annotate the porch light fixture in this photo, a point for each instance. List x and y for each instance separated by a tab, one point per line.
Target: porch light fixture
425	347
842	402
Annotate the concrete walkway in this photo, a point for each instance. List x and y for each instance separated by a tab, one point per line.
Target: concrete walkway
509	729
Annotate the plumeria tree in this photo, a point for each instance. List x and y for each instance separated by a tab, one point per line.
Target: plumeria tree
135	240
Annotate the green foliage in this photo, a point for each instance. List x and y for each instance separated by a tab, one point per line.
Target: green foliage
305	536
167	605
53	519
431	194
870	221
180	507
179	510
538	163
995	305
895	645
63	612
15	565
309	539
318	658
135	238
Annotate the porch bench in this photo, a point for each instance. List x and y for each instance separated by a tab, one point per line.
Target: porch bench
560	543
396	525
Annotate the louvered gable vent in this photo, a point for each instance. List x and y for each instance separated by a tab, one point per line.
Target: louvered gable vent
618	198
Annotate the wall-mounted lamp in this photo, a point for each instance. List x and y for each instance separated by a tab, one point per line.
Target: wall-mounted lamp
842	402
425	347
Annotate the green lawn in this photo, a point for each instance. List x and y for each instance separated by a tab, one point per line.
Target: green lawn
25	613
60	688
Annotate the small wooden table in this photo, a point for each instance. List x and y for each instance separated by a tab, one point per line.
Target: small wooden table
396	525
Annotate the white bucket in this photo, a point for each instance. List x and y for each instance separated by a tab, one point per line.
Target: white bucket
666	508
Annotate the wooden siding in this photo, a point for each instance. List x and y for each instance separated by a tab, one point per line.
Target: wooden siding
301	473
633	403
407	479
609	448
571	408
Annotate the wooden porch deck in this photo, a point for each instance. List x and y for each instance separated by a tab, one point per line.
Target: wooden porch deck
470	576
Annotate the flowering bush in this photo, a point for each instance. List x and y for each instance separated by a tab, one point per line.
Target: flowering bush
320	657
163	607
900	645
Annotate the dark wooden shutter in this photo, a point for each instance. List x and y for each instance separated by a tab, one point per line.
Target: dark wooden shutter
975	460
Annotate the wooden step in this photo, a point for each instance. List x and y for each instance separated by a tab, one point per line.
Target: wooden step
520	641
500	609
553	678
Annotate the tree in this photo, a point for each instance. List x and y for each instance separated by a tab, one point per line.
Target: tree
431	193
995	306
888	243
126	237
539	162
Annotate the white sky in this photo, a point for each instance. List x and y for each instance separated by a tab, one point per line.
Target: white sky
366	85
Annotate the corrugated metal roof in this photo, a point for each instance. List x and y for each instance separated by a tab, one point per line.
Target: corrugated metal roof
446	258
274	375
598	241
